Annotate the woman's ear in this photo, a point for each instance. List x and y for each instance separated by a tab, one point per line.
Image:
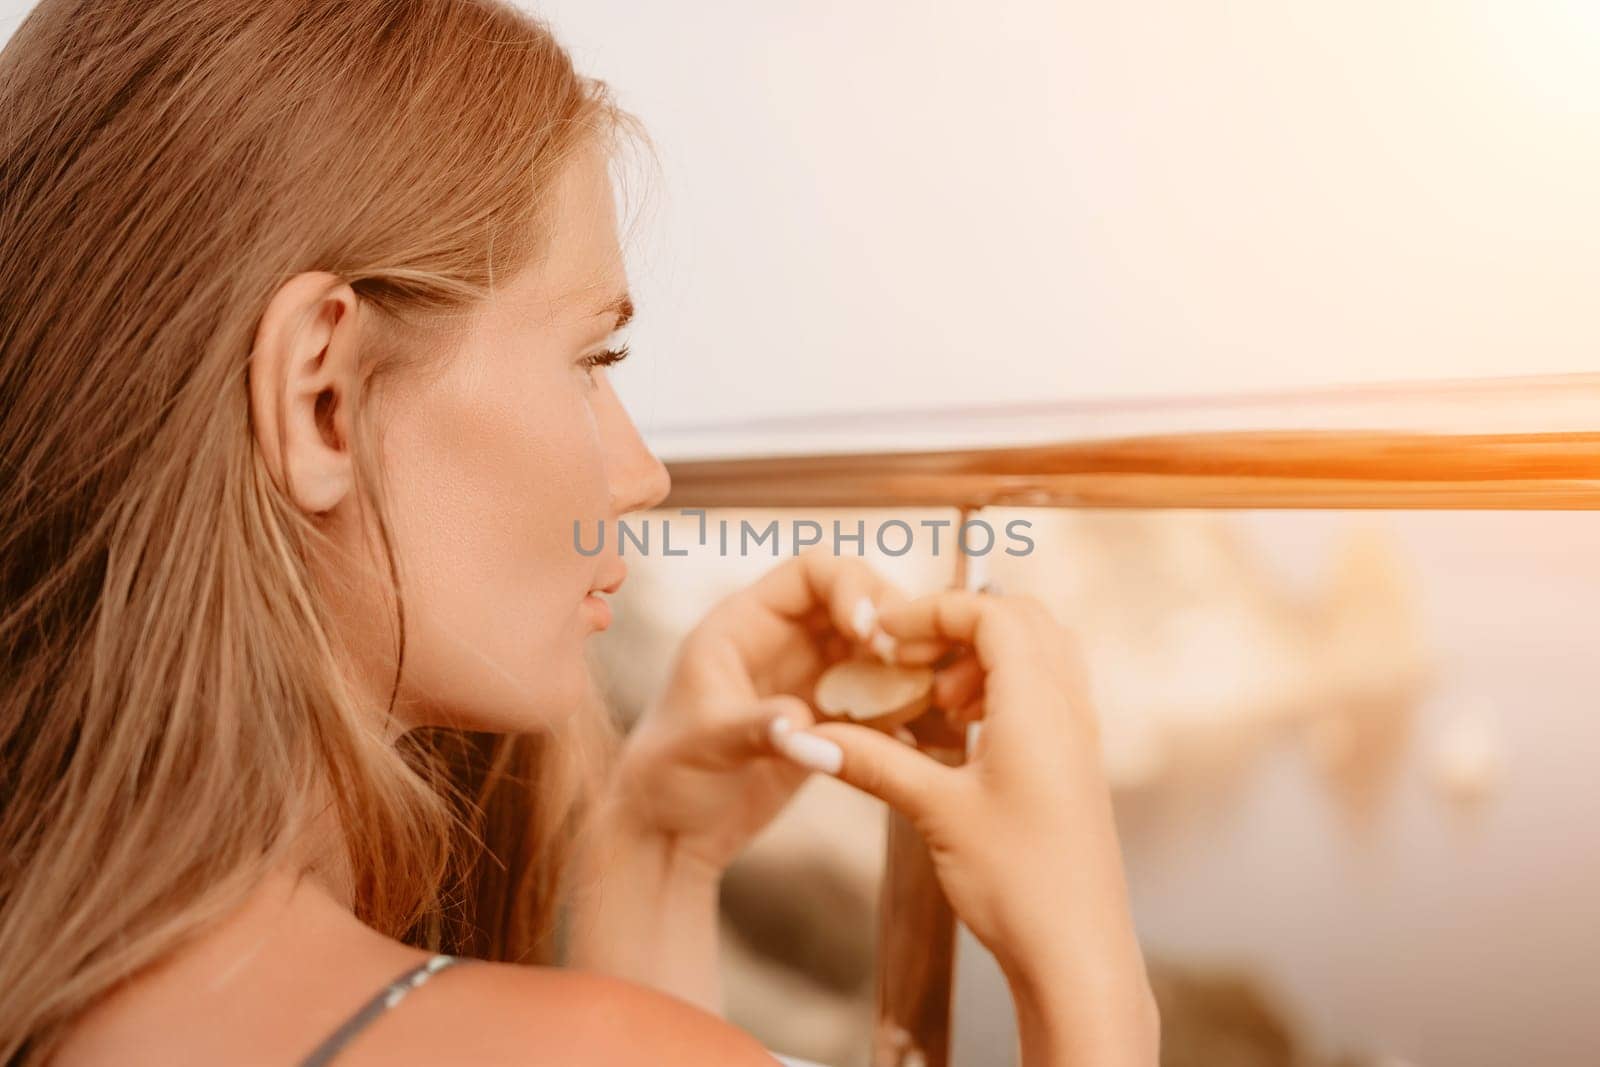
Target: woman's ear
304	374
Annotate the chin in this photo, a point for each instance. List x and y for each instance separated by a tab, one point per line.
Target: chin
543	693
554	700
501	673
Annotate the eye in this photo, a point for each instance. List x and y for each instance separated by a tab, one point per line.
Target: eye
604	359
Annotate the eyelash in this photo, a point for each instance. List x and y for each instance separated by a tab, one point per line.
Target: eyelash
606	358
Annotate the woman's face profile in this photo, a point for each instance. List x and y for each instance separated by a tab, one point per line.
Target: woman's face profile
491	451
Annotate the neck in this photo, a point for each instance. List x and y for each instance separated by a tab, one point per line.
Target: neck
322	858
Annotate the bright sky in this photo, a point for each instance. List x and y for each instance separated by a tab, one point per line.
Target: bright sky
891	204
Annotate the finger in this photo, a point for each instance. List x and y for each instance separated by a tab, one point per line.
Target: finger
850	604
812	579
995	626
933	733
747	735
872	762
919	653
836	646
970	712
958	684
849	589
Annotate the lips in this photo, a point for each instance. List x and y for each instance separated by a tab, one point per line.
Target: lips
614	581
599	610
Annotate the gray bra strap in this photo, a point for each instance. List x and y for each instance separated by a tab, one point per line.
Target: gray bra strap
386	998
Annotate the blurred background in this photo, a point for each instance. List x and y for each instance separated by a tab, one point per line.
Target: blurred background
1353	758
1354	754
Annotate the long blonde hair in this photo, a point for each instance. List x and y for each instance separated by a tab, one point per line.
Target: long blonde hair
170	696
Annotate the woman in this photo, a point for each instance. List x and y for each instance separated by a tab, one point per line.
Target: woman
305	313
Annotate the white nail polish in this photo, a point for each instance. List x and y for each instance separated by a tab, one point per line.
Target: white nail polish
778	729
864	617
883	646
809	750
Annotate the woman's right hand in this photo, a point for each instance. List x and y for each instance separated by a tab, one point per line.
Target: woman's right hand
1021	835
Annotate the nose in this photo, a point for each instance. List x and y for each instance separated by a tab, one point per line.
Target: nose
638	478
645	483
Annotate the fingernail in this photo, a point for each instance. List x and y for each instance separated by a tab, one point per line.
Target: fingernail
778	729
883	646
808	750
864	617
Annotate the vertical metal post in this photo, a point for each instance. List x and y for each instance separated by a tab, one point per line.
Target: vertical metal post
916	928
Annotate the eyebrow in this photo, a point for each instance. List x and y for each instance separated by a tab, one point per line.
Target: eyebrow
622	307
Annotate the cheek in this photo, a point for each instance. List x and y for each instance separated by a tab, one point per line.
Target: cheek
486	482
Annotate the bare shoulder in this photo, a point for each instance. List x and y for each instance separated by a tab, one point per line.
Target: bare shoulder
283	973
513	1015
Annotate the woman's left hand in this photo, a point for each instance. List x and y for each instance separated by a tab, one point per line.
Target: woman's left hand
699	768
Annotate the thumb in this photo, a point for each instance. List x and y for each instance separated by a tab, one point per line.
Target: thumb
747	734
867	759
